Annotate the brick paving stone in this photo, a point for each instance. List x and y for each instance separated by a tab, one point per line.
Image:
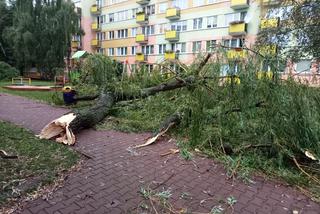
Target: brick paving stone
111	180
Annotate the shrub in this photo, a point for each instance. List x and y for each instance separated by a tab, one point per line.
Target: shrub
7	71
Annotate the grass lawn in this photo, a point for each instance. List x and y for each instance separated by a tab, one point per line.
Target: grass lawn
45	96
38	163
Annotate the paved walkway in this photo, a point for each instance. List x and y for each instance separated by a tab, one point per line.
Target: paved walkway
111	180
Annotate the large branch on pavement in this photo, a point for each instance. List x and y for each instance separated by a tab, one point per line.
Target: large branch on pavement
63	128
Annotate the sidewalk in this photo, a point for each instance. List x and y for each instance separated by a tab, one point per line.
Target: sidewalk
110	182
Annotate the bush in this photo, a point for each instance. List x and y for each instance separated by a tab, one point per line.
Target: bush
7	71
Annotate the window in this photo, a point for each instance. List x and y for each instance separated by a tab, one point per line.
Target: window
303	66
100	50
111	35
162	49
197	3
179	26
212	1
182	4
279	12
133	50
134	13
226	70
232	17
162	7
102	19
101	36
212	21
210	45
110	51
147	49
197	23
162	28
148	30
122	51
149	10
133	32
122	33
196	46
111	17
233	43
178	47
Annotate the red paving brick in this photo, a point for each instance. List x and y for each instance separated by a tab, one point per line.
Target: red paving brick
111	180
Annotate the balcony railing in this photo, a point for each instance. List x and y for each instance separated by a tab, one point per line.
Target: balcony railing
173	13
95	26
140	57
142	2
172	35
95	9
237	54
264	75
269	23
239	4
237	28
270	2
95	43
74	44
141	38
268	50
141	18
170	55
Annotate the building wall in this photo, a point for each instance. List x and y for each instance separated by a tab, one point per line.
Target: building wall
219	33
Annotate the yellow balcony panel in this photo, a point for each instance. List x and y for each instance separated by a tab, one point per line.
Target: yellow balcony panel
239	4
141	38
142	2
237	54
237	29
234	79
270	2
266	50
170	55
172	35
269	23
95	9
173	13
140	57
74	44
95	26
141	18
264	74
95	43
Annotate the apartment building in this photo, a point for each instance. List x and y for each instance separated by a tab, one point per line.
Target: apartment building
148	32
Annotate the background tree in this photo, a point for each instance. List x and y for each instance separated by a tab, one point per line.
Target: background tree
5	21
41	33
297	36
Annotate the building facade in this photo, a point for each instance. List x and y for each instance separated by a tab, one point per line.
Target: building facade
148	32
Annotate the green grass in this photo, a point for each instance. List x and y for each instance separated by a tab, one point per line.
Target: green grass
50	97
39	161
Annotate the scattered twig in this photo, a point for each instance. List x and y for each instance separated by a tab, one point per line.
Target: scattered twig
304	172
5	155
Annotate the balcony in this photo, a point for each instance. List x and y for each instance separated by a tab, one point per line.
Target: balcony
173	13
270	2
264	75
237	28
269	23
237	54
95	43
170	55
95	9
74	44
239	4
142	2
268	50
95	26
141	18
141	38
233	79
172	35
140	57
